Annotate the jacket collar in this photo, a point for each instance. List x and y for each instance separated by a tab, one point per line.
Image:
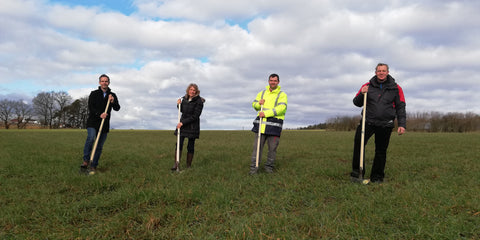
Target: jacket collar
274	91
100	89
390	82
186	97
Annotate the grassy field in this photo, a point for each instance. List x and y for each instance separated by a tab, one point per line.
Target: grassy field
431	190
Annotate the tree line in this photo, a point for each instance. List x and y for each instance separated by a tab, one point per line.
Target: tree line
416	122
46	110
59	110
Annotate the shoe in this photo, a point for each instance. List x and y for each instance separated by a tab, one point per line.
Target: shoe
84	167
252	171
92	171
355	179
376	180
269	170
175	163
360	180
175	168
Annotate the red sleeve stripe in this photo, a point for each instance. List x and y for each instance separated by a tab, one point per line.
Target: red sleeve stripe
400	93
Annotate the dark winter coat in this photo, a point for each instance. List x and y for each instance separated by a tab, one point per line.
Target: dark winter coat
191	111
384	102
96	106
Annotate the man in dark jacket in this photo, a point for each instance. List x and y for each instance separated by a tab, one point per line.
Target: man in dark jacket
97	102
385	101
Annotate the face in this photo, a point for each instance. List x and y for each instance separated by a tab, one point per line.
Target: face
104	82
273	82
192	92
382	73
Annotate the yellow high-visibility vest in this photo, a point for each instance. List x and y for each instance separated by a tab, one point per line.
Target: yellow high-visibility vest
275	106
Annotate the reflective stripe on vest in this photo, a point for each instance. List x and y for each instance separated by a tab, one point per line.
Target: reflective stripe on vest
269	123
276	102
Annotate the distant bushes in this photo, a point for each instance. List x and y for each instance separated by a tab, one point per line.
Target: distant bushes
440	122
417	122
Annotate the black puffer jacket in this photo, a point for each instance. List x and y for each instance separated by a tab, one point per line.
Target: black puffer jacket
96	106
384	102
191	111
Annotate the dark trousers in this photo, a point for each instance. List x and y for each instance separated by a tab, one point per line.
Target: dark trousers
190	146
272	142
382	139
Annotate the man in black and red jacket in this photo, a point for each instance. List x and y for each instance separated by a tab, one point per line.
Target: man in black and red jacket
385	101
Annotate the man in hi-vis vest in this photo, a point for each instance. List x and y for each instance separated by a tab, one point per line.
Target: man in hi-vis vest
271	105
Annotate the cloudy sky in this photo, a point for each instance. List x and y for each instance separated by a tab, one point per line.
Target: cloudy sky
323	51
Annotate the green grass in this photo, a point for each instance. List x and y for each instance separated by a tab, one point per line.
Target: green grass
431	190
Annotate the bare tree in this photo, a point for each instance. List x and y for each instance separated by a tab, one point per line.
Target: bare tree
24	113
63	100
77	113
44	106
6	109
83	111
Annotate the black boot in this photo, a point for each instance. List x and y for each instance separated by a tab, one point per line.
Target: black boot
175	165
189	159
84	167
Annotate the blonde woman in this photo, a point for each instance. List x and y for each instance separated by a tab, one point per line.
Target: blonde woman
189	125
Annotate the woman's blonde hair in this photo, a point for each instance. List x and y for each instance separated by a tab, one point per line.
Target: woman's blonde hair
195	86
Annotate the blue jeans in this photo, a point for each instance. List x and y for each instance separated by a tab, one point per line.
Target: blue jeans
87	150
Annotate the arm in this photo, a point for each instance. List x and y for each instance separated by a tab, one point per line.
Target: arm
256	102
401	112
115	104
358	99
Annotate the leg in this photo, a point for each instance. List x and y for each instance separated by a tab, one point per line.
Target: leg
356	150
382	139
191	151
98	151
175	163
182	139
273	142
87	149
253	168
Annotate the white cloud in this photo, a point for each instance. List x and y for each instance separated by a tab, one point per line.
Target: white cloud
323	50
207	11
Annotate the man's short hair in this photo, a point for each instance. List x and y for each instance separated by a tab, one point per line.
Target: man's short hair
382	64
274	75
104	75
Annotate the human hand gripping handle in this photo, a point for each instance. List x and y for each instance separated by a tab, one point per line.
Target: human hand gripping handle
111	99
261	114
364	89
